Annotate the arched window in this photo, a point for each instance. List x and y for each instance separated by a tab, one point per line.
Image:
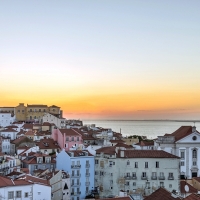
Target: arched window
194	153
128	162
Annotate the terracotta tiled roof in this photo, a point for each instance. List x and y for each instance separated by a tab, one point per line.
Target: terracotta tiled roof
18	140
9	130
53	106
107	150
11	126
146	154
69	132
159	194
145	143
124	145
191	188
77	153
34	179
30	133
27	126
5	181
182	132
197	178
48	144
193	197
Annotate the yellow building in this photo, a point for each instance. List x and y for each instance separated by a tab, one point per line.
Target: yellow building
35	112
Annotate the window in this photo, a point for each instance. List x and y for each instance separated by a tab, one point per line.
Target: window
194	153
18	194
144	174
39	110
161	174
136	164
161	184
182	155
96	172
35	166
171	176
110	163
113	163
134	174
127	183
67	138
26	194
194	163
111	174
182	163
146	164
18	110
170	185
128	162
10	195
154	174
35	117
134	183
96	161
77	139
157	164
128	174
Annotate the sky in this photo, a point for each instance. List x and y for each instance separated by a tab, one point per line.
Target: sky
102	59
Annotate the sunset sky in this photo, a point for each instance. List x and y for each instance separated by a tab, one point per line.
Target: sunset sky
102	59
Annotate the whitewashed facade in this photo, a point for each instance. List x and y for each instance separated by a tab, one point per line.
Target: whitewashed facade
6	119
59	122
135	171
185	143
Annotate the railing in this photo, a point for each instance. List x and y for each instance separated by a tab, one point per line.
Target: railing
130	177
144	177
170	178
87	183
154	178
76	175
161	177
76	166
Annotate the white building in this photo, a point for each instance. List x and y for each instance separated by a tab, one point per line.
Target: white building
185	143
6	118
59	122
135	171
9	132
5	145
24	189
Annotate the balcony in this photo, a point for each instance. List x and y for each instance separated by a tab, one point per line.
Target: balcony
76	175
87	165
153	177
87	183
144	177
170	178
76	166
130	177
161	177
87	174
75	184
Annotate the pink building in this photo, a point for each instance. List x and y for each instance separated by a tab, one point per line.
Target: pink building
67	139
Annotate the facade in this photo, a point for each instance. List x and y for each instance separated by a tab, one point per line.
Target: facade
185	143
9	133
6	118
23	189
33	113
68	139
5	145
35	161
135	171
59	122
80	167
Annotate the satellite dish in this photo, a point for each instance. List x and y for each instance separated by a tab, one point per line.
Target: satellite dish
186	188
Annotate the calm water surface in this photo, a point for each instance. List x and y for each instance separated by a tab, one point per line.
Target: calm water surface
151	129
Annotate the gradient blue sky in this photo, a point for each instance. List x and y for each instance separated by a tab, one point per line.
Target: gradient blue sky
102	59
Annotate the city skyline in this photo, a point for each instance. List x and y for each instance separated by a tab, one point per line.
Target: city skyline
102	59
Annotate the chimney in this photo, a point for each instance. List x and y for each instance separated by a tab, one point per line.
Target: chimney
193	129
122	153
